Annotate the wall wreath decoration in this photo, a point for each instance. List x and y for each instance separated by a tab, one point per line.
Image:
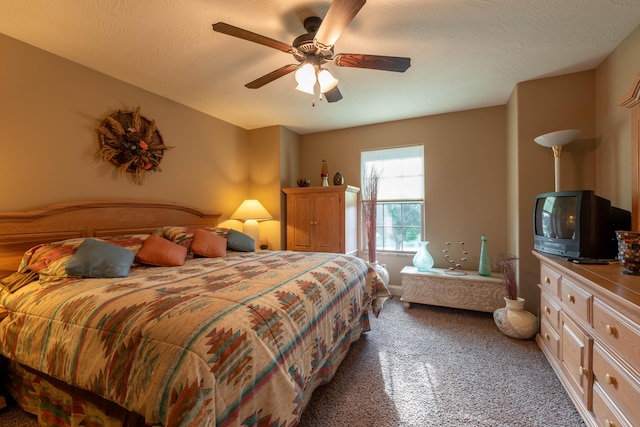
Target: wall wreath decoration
131	143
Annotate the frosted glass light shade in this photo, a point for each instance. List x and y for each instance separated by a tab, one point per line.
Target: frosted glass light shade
306	75
326	81
557	138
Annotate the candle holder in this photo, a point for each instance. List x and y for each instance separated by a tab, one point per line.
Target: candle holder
455	268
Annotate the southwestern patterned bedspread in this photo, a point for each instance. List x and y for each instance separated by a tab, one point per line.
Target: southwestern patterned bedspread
237	340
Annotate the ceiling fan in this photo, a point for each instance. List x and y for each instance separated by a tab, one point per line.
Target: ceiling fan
315	48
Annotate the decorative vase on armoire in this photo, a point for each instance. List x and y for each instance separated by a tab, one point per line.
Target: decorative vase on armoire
423	260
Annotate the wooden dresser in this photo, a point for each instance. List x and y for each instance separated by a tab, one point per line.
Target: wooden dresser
590	333
322	219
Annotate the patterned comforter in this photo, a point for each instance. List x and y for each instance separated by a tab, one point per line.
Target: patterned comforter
239	340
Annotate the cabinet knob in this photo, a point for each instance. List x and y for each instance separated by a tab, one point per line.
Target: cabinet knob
610	379
611	330
582	371
608	423
547	309
547	280
571	298
547	337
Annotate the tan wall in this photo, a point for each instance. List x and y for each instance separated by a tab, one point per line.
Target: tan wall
465	177
543	106
50	109
614	78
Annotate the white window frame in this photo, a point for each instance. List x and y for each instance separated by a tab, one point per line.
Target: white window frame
387	193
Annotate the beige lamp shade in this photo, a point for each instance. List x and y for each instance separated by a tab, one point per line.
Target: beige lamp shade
251	211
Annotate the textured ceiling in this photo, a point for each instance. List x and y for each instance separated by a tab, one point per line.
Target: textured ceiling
464	53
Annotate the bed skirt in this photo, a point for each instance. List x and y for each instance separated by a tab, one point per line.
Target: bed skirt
58	404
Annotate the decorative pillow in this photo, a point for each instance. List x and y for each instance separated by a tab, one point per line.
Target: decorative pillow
95	258
183	236
240	242
161	252
207	244
50	258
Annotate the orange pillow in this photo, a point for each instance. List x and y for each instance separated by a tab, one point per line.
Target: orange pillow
208	245
160	252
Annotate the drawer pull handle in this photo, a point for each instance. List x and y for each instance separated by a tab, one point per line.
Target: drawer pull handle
611	330
547	337
608	423
547	280
610	379
582	371
547	309
571	298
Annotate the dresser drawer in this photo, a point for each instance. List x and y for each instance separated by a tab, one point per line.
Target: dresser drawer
604	411
550	337
550	280
577	301
618	332
617	383
550	310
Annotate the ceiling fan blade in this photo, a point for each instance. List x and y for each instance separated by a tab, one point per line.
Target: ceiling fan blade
268	78
374	62
339	15
230	30
333	95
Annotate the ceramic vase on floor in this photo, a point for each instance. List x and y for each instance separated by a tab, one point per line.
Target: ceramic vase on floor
514	321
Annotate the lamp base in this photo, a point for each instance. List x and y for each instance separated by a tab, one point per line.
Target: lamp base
252	229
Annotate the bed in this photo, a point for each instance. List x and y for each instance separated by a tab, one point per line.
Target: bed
227	337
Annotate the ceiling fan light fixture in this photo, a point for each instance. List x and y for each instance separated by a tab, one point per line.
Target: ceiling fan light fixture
326	80
306	75
310	89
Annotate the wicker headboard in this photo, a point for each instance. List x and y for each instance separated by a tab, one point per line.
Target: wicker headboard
89	218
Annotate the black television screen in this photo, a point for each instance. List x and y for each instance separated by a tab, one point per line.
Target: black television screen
556	217
577	224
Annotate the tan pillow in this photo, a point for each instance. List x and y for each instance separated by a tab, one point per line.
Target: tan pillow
160	252
207	244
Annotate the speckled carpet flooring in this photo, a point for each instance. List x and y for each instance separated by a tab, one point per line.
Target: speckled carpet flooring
431	366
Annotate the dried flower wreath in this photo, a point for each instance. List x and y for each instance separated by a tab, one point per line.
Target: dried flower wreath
131	143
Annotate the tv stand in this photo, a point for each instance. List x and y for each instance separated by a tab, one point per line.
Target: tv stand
590	334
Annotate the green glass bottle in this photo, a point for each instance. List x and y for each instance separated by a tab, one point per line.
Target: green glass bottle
484	269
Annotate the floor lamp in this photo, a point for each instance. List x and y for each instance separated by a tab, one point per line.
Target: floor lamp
555	140
251	211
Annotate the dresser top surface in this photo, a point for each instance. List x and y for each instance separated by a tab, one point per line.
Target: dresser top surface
608	277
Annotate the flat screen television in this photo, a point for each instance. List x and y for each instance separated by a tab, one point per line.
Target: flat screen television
577	224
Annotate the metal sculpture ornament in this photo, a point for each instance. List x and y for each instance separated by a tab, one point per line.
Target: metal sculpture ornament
132	144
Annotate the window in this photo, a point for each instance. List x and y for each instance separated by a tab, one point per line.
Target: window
400	204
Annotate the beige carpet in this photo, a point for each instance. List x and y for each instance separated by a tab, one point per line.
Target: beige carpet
432	366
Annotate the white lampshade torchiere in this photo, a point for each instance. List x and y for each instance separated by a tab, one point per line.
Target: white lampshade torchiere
555	141
250	212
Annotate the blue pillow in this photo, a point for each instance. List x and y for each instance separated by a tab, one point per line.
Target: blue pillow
94	258
237	241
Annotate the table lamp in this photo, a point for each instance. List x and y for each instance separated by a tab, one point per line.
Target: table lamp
251	211
555	140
